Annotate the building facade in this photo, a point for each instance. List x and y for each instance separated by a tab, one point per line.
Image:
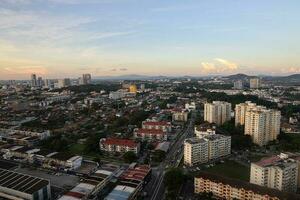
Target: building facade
255	83
226	188
277	172
117	145
217	112
208	147
263	125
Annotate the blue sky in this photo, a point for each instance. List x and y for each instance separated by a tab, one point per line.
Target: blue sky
65	38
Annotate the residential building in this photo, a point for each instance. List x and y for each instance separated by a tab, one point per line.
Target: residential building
61	83
217	112
85	79
19	186
238	85
240	111
180	116
150	134
255	83
208	147
263	125
227	188
118	145
278	172
158	125
204	129
117	94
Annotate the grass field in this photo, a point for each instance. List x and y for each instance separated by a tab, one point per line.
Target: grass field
230	169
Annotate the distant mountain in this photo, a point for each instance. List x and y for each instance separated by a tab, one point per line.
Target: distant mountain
290	78
239	77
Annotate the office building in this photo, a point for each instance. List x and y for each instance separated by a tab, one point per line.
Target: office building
263	125
217	112
33	82
18	186
255	83
208	147
227	188
278	172
238	85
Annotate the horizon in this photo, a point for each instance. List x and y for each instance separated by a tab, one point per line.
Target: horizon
67	38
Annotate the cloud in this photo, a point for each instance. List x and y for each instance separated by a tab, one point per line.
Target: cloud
26	70
291	70
218	66
123	69
110	34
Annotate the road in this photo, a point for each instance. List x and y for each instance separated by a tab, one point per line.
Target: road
173	159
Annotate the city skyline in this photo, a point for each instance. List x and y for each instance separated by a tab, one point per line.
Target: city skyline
67	38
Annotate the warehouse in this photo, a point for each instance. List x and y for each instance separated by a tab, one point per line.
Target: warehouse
23	186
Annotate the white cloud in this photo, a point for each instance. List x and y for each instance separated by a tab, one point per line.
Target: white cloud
218	66
291	70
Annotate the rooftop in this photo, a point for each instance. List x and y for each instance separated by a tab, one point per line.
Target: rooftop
150	131
119	142
20	182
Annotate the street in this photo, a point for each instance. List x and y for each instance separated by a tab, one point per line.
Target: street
173	159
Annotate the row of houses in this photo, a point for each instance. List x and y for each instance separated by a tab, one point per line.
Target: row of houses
45	158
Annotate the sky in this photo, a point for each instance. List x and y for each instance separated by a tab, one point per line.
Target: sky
66	38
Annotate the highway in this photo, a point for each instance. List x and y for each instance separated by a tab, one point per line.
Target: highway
173	159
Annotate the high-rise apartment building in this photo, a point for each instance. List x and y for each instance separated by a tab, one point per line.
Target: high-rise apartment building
217	112
85	79
238	85
240	111
208	147
263	125
255	83
277	172
63	83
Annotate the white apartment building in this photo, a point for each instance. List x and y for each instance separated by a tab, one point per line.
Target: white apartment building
118	145
204	129
240	111
277	172
263	125
180	116
217	112
208	147
238	85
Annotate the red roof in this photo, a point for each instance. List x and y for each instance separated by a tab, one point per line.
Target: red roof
75	194
268	161
151	131
162	123
137	173
119	142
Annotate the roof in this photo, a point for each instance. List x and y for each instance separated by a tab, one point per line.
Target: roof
20	182
161	123
136	173
247	186
120	192
119	142
151	131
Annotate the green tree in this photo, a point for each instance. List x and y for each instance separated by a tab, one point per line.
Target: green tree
158	156
173	180
129	157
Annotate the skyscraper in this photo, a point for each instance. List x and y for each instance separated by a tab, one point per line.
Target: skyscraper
240	111
85	79
33	80
217	112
